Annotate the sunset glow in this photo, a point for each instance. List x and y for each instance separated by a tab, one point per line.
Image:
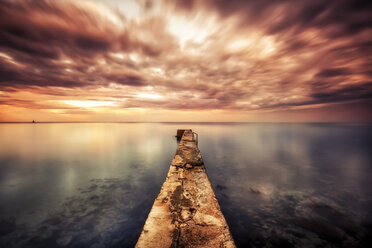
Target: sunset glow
185	60
88	104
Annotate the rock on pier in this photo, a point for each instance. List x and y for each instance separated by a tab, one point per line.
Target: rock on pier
186	212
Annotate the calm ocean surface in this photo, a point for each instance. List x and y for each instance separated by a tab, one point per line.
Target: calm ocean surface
93	185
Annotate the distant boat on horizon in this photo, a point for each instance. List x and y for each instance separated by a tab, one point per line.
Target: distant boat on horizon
33	121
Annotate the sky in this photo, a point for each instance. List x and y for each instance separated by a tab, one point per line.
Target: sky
163	60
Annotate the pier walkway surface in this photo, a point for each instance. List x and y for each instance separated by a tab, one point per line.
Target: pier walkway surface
186	212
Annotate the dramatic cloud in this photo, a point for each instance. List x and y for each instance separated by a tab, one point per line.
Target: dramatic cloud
114	61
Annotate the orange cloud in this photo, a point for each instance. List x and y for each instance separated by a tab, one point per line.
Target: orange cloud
243	59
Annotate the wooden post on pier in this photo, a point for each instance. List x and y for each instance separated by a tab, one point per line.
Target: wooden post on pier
186	212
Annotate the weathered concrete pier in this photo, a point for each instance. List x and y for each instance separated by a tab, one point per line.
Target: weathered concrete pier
186	212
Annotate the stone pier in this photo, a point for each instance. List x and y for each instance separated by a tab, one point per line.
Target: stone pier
186	212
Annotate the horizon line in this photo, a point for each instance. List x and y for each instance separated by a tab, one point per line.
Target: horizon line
196	122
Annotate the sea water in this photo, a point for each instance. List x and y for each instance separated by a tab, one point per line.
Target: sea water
93	184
